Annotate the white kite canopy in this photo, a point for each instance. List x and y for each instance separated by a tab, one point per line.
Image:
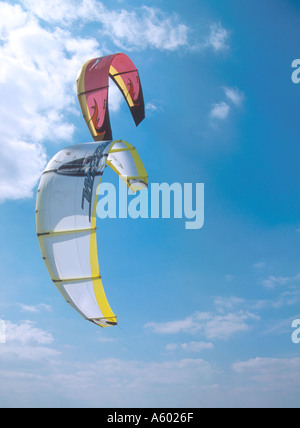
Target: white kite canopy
66	220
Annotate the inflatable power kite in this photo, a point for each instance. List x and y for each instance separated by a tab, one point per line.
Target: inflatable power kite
67	193
92	92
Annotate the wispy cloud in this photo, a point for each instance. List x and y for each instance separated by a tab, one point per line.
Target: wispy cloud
138	28
25	341
144	27
191	324
225	326
273	281
224	304
218	38
235	96
211	326
220	110
35	308
272	372
125	381
151	107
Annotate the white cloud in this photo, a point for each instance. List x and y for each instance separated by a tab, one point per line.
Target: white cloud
190	324
218	38
29	347
220	111
225	326
234	95
228	303
125	383
272	372
26	333
14	16
64	13
21	164
211	326
128	29
286	298
38	74
181	383
131	29
154	107
37	92
272	281
25	341
151	107
144	27
35	309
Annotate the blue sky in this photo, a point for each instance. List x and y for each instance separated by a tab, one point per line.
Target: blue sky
204	315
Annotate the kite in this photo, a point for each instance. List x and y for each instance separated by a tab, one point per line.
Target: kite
66	219
92	92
